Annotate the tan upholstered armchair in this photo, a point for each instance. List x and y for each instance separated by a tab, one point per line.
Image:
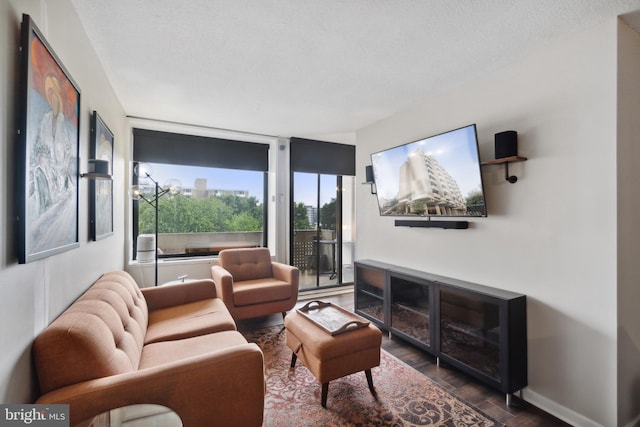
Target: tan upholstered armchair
251	285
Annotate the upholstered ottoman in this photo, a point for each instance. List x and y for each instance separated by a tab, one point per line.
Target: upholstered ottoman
330	357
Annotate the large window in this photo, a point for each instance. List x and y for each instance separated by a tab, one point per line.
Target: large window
217	208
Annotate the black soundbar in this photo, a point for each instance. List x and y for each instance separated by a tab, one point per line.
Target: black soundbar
457	225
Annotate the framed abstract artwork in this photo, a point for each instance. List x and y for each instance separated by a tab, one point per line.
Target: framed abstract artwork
47	151
101	190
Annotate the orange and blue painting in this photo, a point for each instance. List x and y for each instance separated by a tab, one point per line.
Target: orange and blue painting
51	144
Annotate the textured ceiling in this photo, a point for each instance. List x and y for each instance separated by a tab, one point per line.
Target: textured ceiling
314	68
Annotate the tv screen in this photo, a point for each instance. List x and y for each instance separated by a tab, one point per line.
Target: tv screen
436	176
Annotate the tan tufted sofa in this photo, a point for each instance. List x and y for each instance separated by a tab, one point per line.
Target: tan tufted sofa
251	285
174	345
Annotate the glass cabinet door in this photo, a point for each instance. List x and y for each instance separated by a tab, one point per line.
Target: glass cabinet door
470	331
369	285
411	313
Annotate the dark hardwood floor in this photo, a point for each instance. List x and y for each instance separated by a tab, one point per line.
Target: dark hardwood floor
488	400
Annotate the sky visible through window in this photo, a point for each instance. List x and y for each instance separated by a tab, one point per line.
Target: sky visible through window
221	179
305	188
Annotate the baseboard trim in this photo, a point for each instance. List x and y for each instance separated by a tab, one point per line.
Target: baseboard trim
558	411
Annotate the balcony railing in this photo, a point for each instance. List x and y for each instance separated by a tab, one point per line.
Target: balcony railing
197	244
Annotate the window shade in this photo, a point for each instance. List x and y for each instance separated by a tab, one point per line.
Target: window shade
172	148
329	158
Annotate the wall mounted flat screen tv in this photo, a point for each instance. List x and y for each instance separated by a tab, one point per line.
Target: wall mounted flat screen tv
437	176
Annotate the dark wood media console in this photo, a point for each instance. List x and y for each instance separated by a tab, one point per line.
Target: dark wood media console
478	329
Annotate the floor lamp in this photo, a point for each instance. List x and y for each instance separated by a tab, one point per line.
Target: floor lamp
152	195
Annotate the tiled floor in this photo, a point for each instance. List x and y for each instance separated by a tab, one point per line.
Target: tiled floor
520	413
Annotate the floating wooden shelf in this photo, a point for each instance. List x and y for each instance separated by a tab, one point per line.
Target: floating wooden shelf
505	161
512	159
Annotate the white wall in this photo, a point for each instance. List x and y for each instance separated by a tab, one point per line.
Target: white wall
628	230
552	235
33	294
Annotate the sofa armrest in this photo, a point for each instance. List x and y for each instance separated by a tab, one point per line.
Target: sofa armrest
224	284
178	294
221	388
286	273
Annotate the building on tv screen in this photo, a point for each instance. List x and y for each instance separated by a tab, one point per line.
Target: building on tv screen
426	188
435	176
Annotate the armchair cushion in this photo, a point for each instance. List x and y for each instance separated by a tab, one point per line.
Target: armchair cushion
260	291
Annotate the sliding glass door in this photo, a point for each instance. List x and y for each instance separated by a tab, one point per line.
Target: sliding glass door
317	233
321	215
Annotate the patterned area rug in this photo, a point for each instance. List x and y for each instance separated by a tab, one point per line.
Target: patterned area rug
404	396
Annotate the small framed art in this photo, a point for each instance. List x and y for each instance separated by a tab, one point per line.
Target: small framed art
101	190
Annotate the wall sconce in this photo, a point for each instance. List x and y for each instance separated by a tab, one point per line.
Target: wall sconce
368	172
151	195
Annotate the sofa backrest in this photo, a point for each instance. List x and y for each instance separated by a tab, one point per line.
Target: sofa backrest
246	264
100	334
